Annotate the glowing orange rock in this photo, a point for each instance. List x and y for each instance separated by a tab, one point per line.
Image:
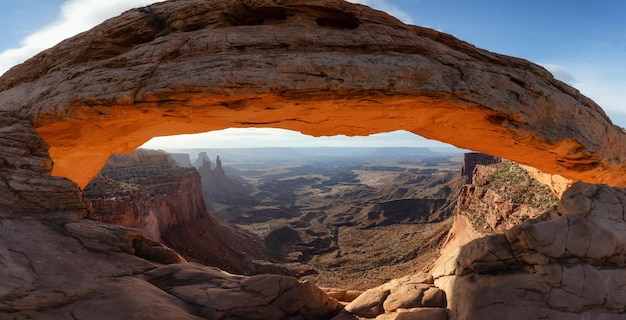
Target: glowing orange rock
318	67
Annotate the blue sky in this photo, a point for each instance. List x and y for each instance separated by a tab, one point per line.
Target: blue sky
582	42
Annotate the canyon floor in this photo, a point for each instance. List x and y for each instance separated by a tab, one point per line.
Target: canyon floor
347	221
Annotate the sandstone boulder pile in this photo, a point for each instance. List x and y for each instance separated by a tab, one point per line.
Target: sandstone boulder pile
414	294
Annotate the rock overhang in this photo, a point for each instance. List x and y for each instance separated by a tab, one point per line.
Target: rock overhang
318	67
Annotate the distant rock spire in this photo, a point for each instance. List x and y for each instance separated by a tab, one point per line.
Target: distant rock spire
218	166
202	157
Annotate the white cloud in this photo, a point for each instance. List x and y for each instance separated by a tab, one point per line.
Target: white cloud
271	137
384	5
600	80
76	16
560	72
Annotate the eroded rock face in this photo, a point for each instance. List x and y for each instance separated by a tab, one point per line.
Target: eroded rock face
216	186
569	267
414	291
26	185
55	265
147	190
319	67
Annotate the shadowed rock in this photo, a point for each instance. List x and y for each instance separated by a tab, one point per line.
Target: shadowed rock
570	267
319	67
55	265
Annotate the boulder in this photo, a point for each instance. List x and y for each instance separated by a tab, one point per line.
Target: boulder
226	296
567	267
413	291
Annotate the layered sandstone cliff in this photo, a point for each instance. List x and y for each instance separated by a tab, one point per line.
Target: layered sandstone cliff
568	267
56	265
26	186
319	67
146	190
501	196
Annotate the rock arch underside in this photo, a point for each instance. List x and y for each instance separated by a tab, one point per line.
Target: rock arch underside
319	67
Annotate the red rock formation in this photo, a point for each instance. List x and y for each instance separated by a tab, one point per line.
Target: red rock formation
26	186
502	195
146	190
319	67
569	267
54	265
217	187
471	159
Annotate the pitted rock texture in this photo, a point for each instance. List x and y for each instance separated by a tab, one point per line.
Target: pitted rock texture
567	264
320	67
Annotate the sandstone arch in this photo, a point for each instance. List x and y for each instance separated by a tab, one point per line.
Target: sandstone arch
319	67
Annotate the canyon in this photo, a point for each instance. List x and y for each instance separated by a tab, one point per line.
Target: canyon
149	191
321	68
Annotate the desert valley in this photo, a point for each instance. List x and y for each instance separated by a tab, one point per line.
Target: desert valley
530	225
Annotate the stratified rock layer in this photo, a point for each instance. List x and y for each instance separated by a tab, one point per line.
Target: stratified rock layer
55	265
319	67
26	186
569	267
146	190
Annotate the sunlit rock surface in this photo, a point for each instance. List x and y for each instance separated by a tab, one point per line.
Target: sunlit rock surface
566	264
322	68
55	265
319	67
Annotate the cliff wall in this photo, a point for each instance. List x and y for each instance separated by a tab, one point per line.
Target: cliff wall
472	159
216	186
146	190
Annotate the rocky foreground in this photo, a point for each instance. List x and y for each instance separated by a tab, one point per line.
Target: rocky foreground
58	264
319	67
55	263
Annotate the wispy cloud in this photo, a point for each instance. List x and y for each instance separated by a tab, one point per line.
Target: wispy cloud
76	16
386	6
560	72
601	80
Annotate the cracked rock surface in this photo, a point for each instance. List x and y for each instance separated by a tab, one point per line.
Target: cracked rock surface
56	264
568	264
320	67
411	295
